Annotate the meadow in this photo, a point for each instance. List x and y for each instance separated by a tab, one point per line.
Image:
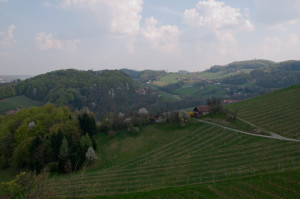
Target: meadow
13	103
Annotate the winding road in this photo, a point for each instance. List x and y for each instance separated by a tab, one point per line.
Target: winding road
272	135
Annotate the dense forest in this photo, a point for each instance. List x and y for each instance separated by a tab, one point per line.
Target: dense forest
47	136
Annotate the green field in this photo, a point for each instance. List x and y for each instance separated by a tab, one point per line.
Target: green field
184	92
278	111
169	78
197	161
168	96
13	103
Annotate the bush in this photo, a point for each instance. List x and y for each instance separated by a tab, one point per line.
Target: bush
27	185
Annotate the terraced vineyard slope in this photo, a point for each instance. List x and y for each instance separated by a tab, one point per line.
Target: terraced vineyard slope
205	162
278	111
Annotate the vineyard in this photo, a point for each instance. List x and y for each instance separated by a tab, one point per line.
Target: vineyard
278	111
205	162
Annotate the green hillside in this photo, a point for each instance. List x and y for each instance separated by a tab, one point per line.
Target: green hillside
13	103
102	91
278	111
197	161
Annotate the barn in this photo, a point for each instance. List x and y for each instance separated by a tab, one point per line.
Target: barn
201	110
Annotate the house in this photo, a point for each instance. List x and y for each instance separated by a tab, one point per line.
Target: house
230	101
201	110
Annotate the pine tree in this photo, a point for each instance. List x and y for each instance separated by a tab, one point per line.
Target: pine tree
64	150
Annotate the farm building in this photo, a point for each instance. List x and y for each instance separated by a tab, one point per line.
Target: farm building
201	110
230	101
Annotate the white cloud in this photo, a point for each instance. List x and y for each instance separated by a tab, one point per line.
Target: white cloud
122	16
216	15
272	45
280	48
46	41
274	12
125	15
7	38
293	39
212	28
164	38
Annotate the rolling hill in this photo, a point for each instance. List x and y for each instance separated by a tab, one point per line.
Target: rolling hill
102	91
278	111
200	160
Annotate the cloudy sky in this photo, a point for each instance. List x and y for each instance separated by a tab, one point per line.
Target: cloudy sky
39	36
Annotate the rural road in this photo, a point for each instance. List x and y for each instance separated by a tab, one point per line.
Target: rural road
272	136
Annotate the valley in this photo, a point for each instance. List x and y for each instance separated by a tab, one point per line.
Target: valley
245	149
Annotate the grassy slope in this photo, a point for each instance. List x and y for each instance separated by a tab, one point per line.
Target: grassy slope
166	161
169	78
278	111
167	96
17	102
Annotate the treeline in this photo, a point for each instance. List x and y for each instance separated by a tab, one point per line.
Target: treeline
47	136
232	67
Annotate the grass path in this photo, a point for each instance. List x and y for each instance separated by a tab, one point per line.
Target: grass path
273	135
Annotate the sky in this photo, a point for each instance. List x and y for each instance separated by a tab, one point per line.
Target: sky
40	36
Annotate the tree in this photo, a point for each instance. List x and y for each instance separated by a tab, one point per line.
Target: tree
37	154
215	104
183	118
6	149
90	155
56	140
64	162
64	150
87	124
86	142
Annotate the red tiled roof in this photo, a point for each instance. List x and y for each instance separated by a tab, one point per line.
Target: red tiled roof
205	108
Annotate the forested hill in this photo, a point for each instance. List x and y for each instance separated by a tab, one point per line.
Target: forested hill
240	65
102	91
273	76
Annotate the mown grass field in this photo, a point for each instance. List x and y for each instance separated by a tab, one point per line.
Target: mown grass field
197	161
278	111
169	78
17	102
